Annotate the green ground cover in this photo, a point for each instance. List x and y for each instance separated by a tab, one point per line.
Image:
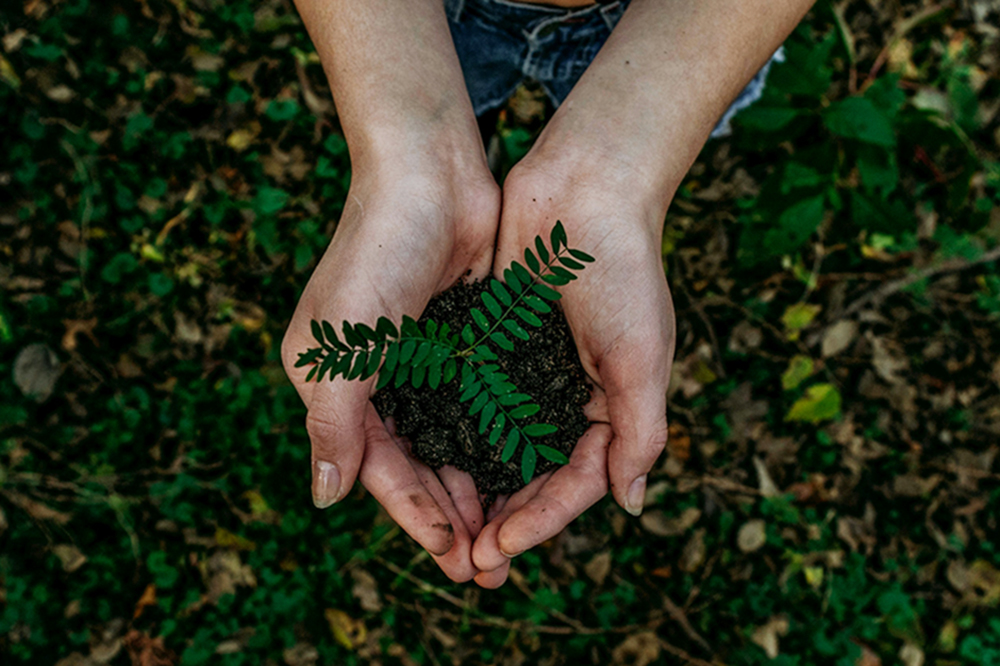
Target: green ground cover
172	170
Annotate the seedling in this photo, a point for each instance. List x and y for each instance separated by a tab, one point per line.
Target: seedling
436	355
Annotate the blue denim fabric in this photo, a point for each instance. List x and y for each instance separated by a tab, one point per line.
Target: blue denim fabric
501	42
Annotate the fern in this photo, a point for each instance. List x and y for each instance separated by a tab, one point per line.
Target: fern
436	355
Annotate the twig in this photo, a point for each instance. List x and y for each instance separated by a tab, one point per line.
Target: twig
904	27
699	308
678	615
890	288
681	654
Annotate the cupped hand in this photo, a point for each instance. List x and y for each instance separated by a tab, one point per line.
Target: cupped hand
622	319
405	235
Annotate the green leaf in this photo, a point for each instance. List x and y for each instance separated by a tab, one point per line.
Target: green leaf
496	431
269	200
486	416
352	337
312	373
317	332
522	273
409	328
343	366
483	353
450	370
563	273
513	399
513	437
422	351
569	263
549	453
524	411
467	335
330	333
432	328
402	374
406	353
366	332
557	237
582	256
528	461
307	357
328	364
532	261
546	292
539	429
858	118
529	317
557	280
470	391
821	402
798	316
417	376
391	356
543	254
501	292
434	376
479	402
502	340
480	319
511	279
386	328
384	378
800	368
538	305
359	365
515	328
374	358
491	305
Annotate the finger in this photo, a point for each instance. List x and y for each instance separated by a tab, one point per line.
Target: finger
596	410
464	496
336	423
573	489
486	553
491	580
637	407
498	505
392	481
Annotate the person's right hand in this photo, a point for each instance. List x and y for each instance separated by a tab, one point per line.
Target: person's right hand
408	232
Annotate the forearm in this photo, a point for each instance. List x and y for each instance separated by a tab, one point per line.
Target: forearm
396	79
653	94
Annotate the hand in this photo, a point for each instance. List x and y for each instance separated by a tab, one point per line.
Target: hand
405	235
622	319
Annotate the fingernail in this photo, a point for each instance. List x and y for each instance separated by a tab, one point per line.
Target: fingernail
636	496
509	556
326	484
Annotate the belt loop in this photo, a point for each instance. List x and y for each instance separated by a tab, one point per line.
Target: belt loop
454	9
612	12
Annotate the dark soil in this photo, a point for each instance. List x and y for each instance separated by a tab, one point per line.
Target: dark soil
546	367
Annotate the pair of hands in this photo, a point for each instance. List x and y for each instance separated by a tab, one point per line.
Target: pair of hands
412	230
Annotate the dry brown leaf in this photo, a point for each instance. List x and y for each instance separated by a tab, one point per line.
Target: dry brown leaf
767	635
765	483
75	327
36	370
346	630
639	649
599	566
838	337
752	535
147	599
693	555
911	655
365	590
70	556
867	658
657	522
300	654
146	651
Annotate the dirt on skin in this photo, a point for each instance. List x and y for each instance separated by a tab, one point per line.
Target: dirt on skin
439	427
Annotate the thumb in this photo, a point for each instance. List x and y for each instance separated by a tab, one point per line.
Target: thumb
637	407
336	426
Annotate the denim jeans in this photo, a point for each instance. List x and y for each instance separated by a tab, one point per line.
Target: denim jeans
501	42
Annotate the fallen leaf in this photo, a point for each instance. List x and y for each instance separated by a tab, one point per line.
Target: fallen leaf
693	555
658	523
797	317
911	655
36	370
767	635
147	599
887	361
639	649
300	654
76	326
868	657
599	566
765	483
752	535
60	93
838	337
226	539
365	590
800	368
821	402
146	651
70	556
346	630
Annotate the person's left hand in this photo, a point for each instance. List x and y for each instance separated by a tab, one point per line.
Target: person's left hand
622	320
